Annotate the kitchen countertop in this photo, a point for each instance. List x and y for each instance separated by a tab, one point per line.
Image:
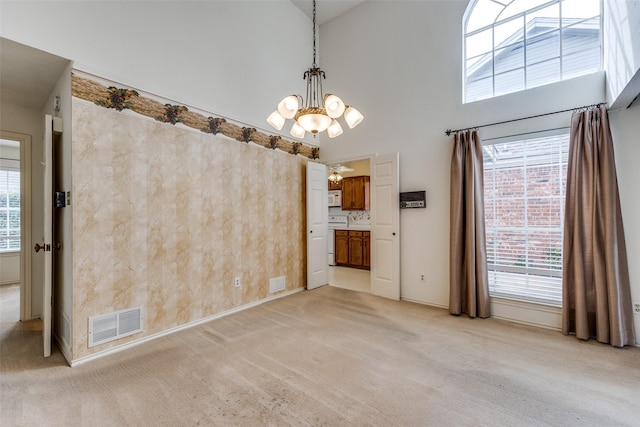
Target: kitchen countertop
355	228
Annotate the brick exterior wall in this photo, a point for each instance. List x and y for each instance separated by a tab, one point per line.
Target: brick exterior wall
505	193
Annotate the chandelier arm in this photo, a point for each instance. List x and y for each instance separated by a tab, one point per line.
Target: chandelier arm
320	97
309	89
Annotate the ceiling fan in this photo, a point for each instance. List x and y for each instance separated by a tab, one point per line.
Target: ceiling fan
340	169
336	170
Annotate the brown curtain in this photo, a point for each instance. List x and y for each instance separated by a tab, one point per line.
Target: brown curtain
469	283
596	299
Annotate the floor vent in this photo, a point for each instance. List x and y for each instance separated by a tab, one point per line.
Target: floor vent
113	326
276	284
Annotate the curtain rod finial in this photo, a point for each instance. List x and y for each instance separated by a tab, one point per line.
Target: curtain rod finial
448	132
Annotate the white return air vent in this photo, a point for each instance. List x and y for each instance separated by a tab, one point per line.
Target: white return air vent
276	284
113	326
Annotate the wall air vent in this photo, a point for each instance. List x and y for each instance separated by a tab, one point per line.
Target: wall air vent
276	284
113	326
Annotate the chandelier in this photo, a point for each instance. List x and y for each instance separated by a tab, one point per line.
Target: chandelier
319	112
335	177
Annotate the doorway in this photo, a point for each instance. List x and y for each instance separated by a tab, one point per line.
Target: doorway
15	226
376	229
352	176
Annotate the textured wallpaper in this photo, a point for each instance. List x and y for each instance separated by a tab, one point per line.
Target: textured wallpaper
165	217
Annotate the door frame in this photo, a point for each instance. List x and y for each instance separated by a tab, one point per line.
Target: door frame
24	141
369	157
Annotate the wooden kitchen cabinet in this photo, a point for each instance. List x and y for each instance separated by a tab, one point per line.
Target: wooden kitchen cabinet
355	249
341	250
366	250
352	249
355	193
335	185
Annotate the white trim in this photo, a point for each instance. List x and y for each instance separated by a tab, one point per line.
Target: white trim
64	346
137	342
64	350
430	304
25	220
527	313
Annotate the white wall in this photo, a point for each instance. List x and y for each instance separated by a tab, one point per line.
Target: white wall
625	128
621	21
234	58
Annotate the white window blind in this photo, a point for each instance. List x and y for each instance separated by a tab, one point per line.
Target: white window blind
9	210
524	197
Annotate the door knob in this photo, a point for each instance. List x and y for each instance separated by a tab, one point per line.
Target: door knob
45	247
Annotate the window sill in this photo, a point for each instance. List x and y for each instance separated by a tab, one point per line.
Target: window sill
11	252
526	312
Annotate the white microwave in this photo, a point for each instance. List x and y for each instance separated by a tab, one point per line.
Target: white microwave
335	198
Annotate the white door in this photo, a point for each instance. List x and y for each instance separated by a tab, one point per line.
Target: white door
317	225
385	226
47	237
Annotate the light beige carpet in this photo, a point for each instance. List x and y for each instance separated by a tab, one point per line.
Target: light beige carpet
329	357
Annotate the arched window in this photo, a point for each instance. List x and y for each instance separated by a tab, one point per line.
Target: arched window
511	45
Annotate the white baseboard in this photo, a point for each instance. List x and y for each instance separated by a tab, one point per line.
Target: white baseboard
64	350
527	313
430	304
137	342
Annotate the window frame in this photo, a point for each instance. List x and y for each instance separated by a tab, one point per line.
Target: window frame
525	65
526	270
8	166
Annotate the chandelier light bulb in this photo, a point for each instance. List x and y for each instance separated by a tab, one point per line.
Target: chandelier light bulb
276	120
288	106
296	130
334	106
353	117
334	129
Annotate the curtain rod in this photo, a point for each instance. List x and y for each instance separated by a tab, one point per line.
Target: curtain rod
448	132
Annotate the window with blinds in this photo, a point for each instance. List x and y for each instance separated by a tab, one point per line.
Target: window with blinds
524	194
9	210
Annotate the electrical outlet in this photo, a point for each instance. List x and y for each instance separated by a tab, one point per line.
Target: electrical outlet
236	282
636	308
422	277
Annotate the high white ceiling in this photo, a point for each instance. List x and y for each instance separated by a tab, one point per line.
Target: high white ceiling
326	10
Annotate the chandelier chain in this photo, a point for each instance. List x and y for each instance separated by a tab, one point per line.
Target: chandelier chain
314	34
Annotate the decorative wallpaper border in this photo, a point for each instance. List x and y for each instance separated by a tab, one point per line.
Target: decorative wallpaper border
121	99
